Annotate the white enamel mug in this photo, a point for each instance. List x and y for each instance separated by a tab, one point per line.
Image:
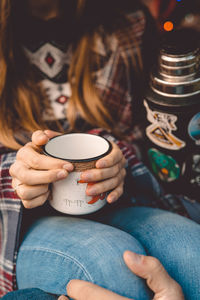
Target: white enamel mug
82	150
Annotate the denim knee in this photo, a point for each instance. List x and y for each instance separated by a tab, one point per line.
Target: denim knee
173	239
58	249
177	244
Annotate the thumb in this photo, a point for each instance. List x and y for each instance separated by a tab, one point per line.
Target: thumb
63	298
157	277
51	133
40	137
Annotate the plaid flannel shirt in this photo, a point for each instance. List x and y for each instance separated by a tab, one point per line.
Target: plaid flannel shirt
115	87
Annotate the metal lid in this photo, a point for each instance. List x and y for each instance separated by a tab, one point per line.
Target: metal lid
174	88
179	65
178	70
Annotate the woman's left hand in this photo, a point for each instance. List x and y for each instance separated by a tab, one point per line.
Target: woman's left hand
108	176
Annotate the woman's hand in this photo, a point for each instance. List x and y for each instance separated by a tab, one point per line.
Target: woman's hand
33	171
147	267
109	175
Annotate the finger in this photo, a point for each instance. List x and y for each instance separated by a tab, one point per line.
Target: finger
106	185
111	159
35	177
102	174
35	160
39	201
116	193
157	277
81	290
15	183
63	298
41	137
30	192
51	133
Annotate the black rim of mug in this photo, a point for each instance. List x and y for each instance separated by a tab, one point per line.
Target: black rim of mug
79	160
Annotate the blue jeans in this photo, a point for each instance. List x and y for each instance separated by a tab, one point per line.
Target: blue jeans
57	249
29	294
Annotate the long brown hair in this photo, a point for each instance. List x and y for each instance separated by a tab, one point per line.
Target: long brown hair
20	95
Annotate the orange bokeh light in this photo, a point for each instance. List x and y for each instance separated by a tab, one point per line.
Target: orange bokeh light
168	26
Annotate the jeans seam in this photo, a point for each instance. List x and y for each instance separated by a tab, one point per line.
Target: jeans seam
63	255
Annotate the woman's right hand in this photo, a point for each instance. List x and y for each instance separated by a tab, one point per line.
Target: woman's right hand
33	171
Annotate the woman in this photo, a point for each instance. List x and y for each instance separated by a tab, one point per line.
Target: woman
77	66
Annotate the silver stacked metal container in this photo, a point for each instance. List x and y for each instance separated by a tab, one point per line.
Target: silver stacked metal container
172	127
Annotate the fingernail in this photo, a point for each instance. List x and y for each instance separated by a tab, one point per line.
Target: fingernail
61	174
42	136
133	257
111	199
68	167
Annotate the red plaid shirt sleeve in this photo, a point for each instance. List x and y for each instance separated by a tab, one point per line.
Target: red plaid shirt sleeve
10	211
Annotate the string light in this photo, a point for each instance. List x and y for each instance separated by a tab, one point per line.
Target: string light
168	26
